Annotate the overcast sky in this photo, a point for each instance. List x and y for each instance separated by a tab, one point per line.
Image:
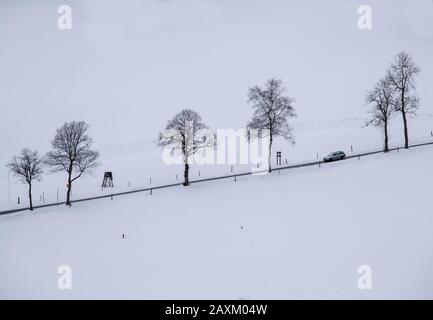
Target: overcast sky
127	66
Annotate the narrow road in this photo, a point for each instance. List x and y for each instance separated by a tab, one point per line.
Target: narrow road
232	176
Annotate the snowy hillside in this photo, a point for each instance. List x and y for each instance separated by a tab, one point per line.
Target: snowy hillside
134	164
126	69
301	234
108	88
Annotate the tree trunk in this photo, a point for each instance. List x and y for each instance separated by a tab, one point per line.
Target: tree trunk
403	113
30	197
186	174
406	134
270	153
68	193
386	147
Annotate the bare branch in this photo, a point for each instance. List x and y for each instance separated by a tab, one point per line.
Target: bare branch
272	111
27	167
71	152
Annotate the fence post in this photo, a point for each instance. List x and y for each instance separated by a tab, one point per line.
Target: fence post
151	191
235	177
111	197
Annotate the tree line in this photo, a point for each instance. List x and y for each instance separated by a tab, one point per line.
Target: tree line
71	153
394	93
272	109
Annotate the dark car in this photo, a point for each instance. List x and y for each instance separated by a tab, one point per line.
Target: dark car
334	156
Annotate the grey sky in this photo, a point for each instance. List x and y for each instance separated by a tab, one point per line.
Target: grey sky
128	66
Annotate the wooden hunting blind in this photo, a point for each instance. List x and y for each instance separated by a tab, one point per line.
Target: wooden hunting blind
108	180
279	158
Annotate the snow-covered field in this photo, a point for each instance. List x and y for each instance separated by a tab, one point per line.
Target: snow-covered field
135	164
299	234
126	68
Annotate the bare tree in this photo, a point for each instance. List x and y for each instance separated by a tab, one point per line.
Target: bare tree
186	133
381	100
402	78
28	168
272	110
71	153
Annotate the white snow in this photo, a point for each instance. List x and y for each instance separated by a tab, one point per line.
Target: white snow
133	164
126	68
300	234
